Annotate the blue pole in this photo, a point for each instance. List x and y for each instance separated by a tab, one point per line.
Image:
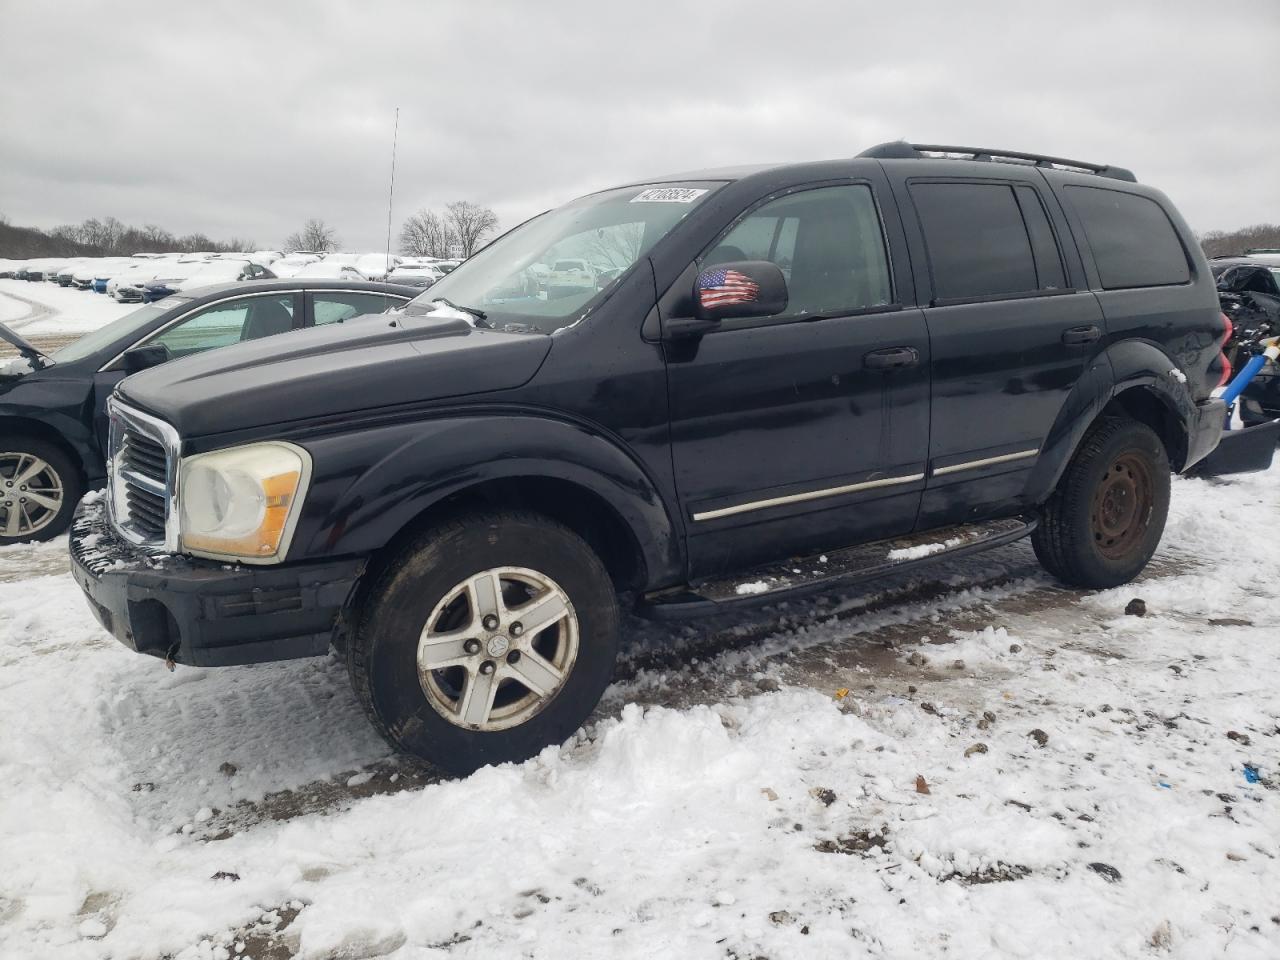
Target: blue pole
1236	386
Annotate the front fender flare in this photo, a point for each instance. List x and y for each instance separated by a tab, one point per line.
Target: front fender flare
368	485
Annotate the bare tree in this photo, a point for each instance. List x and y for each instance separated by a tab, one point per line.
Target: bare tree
425	234
315	235
616	246
470	223
156	235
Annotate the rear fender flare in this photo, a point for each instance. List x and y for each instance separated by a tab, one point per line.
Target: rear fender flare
1125	366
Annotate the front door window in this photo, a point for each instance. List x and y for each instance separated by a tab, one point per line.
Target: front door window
231	321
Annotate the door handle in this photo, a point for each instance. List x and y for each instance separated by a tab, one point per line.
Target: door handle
891	358
1074	336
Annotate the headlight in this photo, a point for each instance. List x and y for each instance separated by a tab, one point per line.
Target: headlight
242	503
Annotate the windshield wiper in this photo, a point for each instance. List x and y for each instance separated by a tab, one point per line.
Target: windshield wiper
482	318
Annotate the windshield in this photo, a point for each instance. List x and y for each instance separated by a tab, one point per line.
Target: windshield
92	342
544	274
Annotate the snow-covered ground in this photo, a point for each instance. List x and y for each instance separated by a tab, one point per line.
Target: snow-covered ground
972	763
46	309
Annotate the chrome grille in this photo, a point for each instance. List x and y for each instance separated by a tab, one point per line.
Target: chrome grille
142	463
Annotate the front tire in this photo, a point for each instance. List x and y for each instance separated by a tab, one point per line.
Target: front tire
1105	519
487	639
39	490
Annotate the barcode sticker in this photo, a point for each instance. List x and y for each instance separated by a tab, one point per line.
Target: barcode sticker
668	195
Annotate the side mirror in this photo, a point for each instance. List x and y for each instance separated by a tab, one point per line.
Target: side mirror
141	358
743	288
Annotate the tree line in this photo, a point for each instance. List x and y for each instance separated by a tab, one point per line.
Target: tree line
107	237
1219	243
424	234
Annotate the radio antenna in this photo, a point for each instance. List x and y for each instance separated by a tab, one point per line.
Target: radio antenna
391	195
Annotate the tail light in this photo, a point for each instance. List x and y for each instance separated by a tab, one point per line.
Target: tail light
1228	331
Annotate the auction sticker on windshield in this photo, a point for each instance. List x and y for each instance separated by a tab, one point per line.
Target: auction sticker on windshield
668	195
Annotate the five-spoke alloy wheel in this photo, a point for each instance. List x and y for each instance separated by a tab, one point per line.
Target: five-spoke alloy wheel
486	639
497	648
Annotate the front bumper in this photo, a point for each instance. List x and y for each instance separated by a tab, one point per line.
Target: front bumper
204	613
1205	430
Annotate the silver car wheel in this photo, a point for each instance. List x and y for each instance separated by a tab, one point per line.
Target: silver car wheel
30	494
498	648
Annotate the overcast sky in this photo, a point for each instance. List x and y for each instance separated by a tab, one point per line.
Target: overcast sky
245	118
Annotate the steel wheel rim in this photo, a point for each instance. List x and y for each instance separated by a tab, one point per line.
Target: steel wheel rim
1122	506
31	494
497	648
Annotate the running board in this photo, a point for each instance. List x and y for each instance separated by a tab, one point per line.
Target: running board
800	577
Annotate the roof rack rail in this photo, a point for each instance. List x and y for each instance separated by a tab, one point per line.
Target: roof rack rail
901	150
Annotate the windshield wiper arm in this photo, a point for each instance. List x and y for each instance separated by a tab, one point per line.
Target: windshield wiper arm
481	317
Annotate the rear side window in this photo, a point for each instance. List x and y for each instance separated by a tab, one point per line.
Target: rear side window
1133	242
336	307
980	240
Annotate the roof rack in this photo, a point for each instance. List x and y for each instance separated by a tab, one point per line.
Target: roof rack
901	150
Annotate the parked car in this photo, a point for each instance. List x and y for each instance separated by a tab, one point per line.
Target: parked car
37	270
966	351
291	264
106	271
570	277
131	286
376	266
210	272
53	421
331	269
415	276
1249	292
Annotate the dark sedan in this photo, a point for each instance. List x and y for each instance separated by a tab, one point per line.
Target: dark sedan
53	408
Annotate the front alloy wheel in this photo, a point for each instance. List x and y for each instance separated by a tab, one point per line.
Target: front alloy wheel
497	648
486	639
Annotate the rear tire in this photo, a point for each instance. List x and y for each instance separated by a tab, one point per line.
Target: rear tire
486	639
39	489
1105	519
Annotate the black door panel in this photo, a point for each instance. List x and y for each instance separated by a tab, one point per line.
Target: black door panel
790	412
1001	375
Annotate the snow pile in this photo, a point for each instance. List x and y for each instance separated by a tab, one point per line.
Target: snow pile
1083	795
923	549
62	310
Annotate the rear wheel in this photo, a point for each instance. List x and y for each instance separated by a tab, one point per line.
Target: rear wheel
489	638
1105	519
39	490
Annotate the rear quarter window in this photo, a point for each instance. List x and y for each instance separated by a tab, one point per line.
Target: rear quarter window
1133	241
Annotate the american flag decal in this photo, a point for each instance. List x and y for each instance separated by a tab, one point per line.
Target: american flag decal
718	287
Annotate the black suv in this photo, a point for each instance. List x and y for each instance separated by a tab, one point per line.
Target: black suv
802	376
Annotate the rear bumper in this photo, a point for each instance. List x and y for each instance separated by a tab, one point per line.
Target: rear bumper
1205	430
203	613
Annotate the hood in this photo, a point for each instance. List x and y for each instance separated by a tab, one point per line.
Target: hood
37	359
371	362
